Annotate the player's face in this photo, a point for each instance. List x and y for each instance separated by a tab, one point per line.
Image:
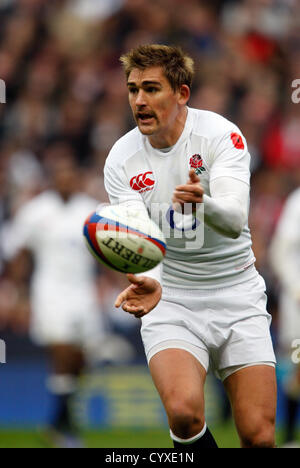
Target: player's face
156	107
65	178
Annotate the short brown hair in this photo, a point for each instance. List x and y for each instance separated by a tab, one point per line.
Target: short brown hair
178	67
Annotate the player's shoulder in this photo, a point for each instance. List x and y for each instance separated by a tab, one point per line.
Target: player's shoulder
211	125
293	200
290	215
85	201
36	207
295	195
128	145
45	198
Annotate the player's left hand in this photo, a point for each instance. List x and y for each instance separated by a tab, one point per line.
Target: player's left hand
192	192
141	296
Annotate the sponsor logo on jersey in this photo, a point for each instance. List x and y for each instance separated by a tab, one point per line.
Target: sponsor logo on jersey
143	182
196	162
237	141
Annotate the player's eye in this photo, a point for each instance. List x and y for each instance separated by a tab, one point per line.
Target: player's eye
151	89
132	90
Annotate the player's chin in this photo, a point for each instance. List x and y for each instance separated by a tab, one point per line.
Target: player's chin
146	129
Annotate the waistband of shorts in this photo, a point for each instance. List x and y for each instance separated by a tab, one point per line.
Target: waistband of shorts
168	291
214	284
216	291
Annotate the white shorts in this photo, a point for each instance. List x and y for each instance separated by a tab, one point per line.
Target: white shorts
222	328
65	320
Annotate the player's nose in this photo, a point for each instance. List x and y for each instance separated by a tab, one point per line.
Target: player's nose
140	99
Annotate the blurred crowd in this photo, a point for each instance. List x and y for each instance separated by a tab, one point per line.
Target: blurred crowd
65	93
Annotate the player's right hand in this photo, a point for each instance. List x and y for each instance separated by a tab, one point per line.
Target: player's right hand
190	193
141	296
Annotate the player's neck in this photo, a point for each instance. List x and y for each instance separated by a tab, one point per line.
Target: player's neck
65	197
169	137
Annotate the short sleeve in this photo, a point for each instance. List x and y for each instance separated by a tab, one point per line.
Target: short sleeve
117	186
230	157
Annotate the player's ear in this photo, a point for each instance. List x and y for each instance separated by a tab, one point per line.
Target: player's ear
184	94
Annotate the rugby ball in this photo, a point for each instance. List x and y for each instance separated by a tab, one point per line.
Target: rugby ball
124	239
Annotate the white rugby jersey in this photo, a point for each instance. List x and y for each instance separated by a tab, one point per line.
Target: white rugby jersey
285	247
135	171
53	231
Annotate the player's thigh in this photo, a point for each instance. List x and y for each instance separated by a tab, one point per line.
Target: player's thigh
253	395
179	378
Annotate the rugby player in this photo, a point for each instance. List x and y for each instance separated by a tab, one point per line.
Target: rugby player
286	264
205	306
65	311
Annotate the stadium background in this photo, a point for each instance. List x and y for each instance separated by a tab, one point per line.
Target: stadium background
65	92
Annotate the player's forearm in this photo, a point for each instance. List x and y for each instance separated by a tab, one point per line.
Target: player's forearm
226	210
226	215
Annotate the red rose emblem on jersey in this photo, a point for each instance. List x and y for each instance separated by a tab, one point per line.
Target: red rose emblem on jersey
237	141
142	182
196	161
